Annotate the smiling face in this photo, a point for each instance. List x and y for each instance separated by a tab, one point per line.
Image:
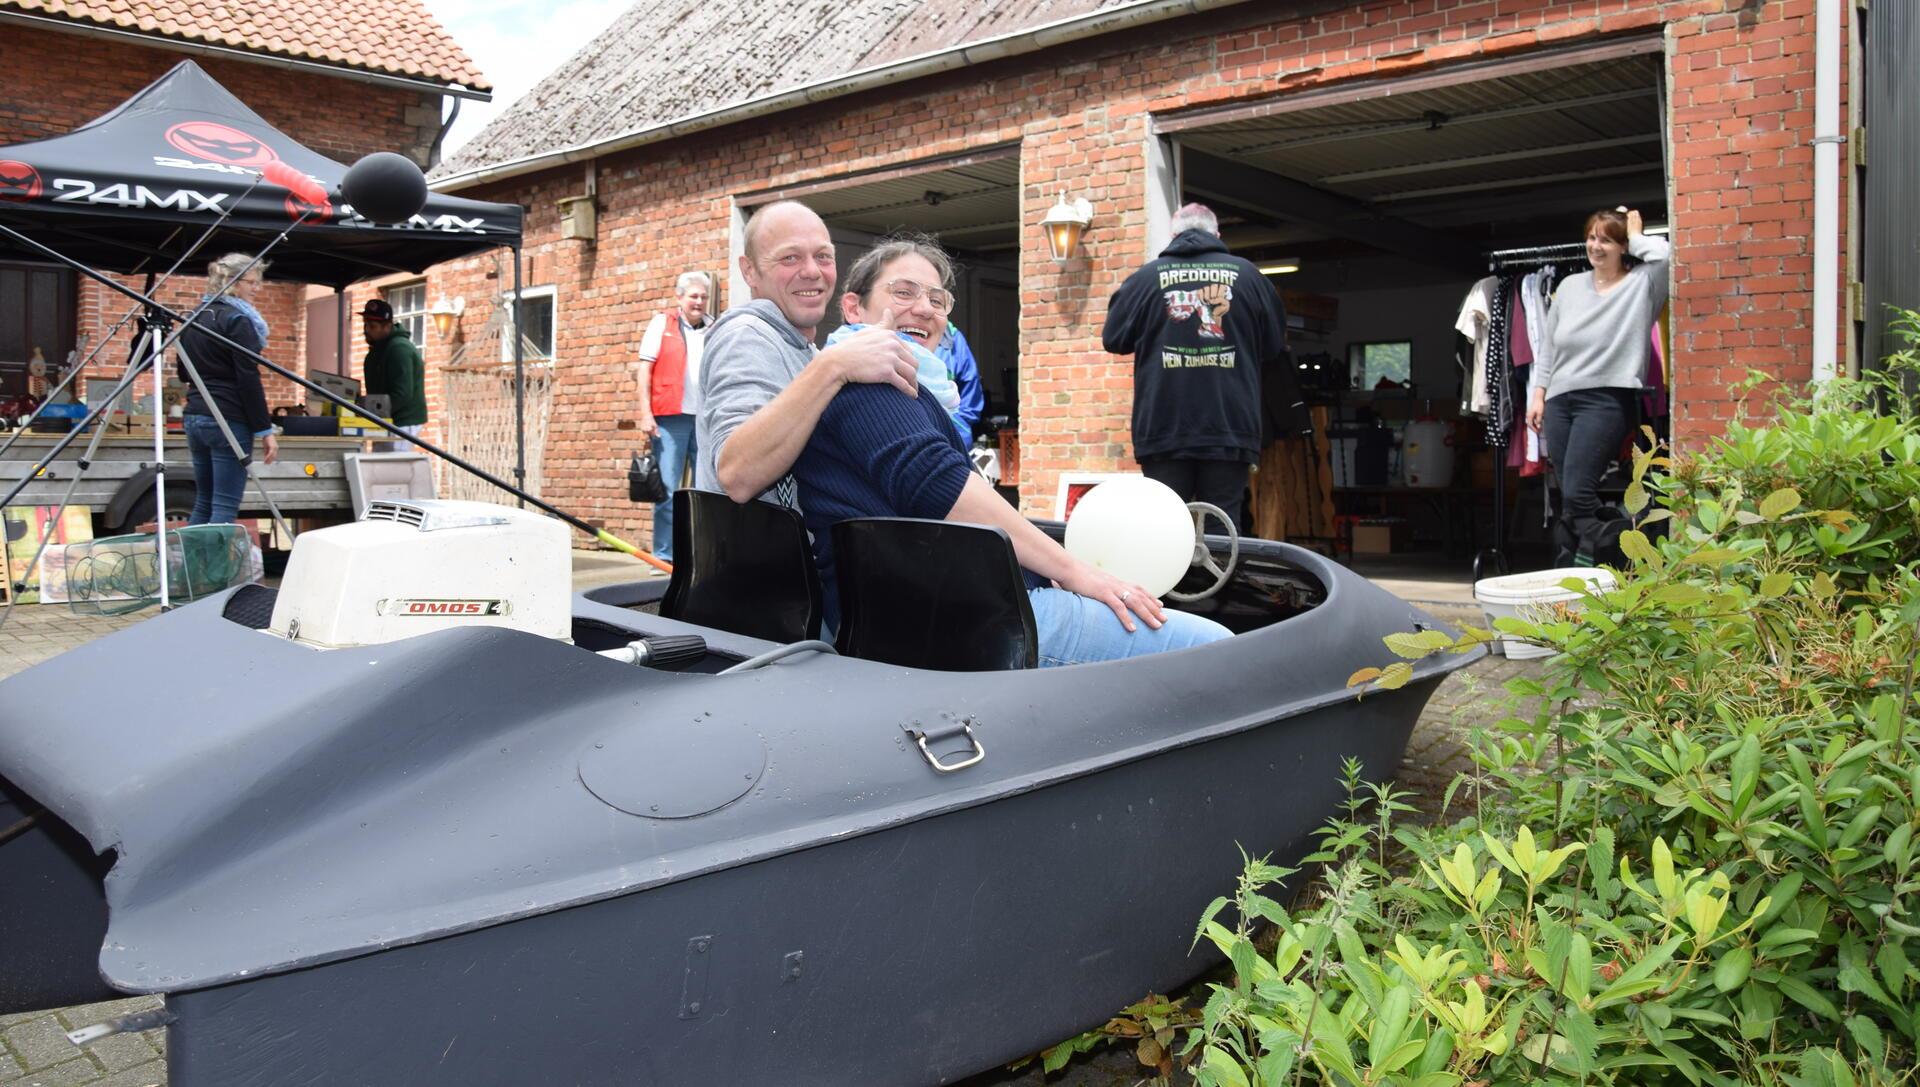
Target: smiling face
907	285
790	263
1606	242
693	302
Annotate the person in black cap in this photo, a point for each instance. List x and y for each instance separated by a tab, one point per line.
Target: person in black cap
393	366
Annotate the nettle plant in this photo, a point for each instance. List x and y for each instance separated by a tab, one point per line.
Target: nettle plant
1696	862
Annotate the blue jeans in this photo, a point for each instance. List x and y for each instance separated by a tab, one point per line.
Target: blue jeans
219	479
674	446
1077	630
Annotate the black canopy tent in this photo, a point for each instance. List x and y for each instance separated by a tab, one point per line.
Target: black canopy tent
130	191
142	181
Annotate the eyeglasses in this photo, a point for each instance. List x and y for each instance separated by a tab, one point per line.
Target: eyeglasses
906	292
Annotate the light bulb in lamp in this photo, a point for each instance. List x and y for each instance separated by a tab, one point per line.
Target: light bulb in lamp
445	313
1064	224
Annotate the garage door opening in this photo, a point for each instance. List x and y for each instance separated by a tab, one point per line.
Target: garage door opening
1375	209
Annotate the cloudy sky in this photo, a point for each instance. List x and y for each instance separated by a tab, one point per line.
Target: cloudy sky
516	42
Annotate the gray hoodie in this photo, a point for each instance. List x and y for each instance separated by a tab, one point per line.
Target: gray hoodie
752	353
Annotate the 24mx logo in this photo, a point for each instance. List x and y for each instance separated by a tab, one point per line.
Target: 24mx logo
221	143
75	190
18	181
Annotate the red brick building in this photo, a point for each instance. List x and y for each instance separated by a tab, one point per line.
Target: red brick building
1384	147
333	74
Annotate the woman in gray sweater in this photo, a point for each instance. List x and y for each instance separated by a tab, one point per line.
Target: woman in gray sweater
1599	332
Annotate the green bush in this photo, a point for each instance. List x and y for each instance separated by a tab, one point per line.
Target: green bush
1700	867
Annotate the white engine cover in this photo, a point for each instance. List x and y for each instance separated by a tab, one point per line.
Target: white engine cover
418	566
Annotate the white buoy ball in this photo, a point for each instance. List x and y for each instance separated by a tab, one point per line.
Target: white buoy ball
1136	529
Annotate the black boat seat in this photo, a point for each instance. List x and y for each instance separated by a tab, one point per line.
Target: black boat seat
932	594
742	567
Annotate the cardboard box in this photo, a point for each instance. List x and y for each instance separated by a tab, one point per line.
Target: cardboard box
1378	537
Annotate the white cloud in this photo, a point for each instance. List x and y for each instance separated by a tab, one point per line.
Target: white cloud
516	43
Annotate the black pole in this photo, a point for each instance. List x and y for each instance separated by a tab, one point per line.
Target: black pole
341	326
519	382
262	360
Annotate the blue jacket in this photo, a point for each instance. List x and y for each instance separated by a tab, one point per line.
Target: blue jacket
966	374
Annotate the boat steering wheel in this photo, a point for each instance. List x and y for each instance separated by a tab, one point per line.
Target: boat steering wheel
1203	556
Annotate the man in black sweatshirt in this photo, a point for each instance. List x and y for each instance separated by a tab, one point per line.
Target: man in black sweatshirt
1200	324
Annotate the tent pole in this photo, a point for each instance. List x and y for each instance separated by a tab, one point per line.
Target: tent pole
159	460
341	326
519	384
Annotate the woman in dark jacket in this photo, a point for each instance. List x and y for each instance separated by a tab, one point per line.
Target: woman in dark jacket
232	382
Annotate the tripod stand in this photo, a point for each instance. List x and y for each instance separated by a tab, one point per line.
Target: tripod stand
155	327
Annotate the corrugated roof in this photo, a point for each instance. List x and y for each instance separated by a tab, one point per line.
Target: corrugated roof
396	37
670	59
1591	120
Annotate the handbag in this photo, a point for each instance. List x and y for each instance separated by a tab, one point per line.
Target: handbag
643	479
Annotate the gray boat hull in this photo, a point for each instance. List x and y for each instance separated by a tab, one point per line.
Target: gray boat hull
916	955
479	856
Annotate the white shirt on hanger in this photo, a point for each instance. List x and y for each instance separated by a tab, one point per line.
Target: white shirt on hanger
1476	313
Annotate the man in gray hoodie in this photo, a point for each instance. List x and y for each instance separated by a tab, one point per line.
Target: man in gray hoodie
766	382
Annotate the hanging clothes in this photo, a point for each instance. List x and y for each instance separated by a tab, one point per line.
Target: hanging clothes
1653	398
1535	290
1499	404
1519	337
1475	313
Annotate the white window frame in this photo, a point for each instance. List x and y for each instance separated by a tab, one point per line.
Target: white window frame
532	294
412	317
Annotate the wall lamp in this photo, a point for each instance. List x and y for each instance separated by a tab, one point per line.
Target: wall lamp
1063	226
445	313
1280	266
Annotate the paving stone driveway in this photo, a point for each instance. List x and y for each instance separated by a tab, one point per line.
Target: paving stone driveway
34	1049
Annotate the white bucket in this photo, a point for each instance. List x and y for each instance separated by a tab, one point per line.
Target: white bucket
1428	460
1524	596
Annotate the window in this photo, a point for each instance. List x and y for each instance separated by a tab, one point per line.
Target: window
537	314
1372	363
410	309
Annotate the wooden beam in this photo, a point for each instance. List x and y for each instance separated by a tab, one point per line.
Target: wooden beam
1251	190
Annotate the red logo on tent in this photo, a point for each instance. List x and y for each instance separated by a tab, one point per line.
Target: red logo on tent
211	140
18	181
316	213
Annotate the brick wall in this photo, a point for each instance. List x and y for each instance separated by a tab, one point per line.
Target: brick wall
1740	84
1742	120
62	81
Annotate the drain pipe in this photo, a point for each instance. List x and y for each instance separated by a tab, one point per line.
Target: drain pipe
1827	139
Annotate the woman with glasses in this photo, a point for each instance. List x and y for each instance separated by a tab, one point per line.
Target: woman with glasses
877	452
912	299
233	392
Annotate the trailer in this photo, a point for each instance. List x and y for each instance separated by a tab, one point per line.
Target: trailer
308	479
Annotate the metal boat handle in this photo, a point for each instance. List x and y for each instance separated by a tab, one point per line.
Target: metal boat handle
966	728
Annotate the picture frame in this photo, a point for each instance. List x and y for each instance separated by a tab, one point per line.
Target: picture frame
1074	485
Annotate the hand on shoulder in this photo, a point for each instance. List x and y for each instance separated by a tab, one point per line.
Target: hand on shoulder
874	356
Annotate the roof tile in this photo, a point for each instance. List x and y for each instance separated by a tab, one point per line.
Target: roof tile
664	60
349	33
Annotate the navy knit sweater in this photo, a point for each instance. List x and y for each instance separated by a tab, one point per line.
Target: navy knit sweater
876	452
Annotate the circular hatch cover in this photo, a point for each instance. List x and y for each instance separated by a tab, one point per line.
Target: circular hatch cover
674	769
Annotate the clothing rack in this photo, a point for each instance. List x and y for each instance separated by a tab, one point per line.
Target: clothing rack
1492	561
1504	259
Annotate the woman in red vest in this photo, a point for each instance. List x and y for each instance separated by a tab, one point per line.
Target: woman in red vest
669	378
